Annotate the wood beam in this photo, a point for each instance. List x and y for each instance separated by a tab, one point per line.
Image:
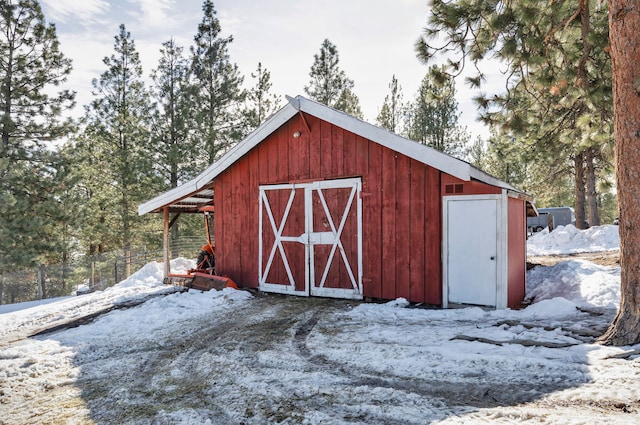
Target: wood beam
165	241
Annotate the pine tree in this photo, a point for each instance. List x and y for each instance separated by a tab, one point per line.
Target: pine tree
176	146
92	193
392	111
432	119
117	140
261	103
329	84
625	54
219	95
558	76
31	68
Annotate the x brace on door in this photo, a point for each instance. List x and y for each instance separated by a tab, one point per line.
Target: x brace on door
310	239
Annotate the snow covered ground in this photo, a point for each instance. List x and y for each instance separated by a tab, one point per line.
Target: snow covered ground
232	357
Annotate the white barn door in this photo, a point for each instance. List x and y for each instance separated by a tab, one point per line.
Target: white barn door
474	250
310	238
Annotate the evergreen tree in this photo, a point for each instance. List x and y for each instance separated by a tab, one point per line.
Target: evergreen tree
31	67
558	98
261	103
329	84
219	95
176	146
432	119
116	146
392	111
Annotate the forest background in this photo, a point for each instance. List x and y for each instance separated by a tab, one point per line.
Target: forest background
70	188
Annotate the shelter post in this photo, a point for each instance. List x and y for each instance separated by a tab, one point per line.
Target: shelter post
165	241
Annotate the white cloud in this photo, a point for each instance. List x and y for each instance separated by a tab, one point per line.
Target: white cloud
84	12
154	13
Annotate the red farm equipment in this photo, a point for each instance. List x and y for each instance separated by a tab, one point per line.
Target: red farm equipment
203	277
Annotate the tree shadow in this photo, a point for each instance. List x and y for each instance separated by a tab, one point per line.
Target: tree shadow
281	359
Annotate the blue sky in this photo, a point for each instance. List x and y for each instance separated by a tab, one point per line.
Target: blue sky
374	39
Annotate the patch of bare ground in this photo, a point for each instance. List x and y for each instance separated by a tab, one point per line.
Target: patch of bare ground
604	258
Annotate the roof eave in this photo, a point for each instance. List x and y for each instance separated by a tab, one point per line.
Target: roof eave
273	123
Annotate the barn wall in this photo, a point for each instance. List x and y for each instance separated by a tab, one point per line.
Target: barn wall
401	200
516	270
452	186
400	197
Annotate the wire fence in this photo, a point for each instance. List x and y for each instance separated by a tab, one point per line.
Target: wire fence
86	273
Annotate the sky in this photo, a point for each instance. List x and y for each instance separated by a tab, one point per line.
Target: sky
375	40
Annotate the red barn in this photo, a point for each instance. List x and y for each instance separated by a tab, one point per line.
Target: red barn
316	202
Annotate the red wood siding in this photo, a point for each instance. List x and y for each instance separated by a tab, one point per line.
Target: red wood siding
461	187
516	270
433	237
401	200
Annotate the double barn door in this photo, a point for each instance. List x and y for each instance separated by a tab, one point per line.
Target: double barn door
310	238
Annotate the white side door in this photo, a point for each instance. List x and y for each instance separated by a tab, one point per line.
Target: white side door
473	252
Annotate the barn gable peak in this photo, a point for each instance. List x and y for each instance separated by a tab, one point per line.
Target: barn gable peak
199	187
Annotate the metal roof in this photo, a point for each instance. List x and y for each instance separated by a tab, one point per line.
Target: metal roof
198	192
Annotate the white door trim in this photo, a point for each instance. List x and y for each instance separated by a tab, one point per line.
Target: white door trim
501	245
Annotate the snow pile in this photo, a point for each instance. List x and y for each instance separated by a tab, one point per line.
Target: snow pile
569	240
23	319
579	281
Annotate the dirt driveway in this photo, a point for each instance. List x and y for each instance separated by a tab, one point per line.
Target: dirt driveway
288	360
606	258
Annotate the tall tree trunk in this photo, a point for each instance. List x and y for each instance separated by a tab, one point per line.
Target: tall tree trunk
624	26
579	190
592	194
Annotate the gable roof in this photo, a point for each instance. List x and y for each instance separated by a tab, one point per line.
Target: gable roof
198	192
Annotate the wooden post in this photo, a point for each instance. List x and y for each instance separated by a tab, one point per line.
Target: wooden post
127	264
165	242
40	284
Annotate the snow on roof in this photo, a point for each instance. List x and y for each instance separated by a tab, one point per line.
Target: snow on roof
197	192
